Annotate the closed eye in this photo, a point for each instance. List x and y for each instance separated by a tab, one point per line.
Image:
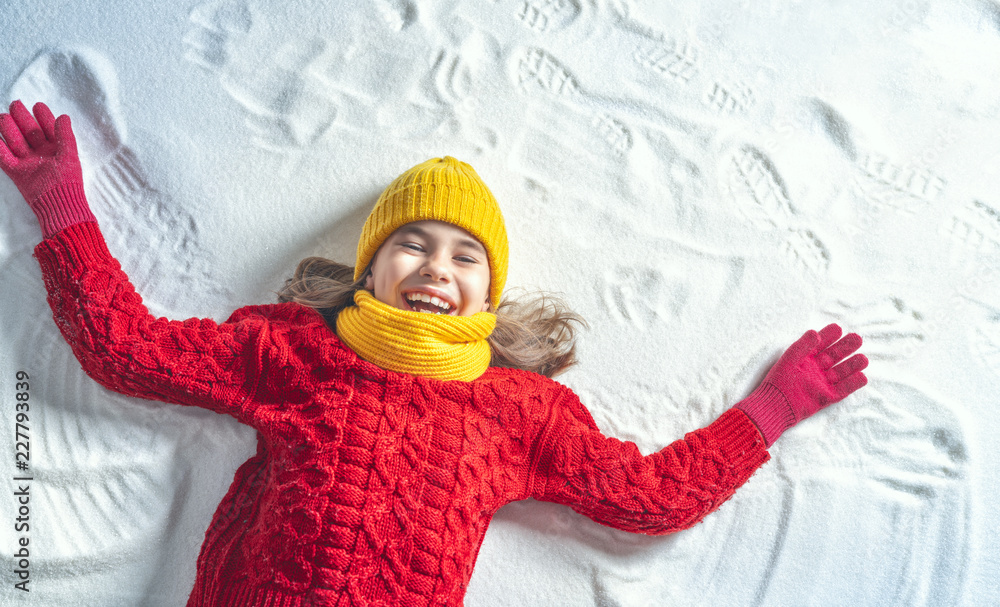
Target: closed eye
411	246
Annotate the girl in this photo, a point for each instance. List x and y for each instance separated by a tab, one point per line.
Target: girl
392	417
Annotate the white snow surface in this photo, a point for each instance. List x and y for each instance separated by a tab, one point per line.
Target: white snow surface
702	181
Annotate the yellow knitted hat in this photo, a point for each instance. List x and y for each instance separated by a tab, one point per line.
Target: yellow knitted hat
443	189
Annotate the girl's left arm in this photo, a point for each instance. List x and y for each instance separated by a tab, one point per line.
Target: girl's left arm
611	482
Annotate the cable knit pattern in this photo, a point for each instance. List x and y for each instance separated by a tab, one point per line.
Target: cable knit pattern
370	487
612	483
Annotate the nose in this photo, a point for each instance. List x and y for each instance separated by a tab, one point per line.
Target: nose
435	268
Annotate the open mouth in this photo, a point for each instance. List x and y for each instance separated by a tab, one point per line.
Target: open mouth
422	302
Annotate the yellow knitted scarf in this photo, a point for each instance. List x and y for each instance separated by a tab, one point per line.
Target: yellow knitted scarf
432	345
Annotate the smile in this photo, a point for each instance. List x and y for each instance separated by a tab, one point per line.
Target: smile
428	304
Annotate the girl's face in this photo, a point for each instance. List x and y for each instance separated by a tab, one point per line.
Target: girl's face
431	260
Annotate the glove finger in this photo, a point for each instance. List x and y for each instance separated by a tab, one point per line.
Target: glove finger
828	335
45	120
26	122
850	384
852	365
12	136
64	134
840	350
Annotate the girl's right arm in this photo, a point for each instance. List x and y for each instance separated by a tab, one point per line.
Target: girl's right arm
116	340
126	349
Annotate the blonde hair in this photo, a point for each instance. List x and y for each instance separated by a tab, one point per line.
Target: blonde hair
534	332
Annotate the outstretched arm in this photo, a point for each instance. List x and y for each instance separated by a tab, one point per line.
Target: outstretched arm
103	319
611	482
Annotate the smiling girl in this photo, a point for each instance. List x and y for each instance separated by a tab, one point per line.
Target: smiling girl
396	403
432	266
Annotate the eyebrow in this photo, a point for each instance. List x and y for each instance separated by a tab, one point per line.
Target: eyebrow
469	242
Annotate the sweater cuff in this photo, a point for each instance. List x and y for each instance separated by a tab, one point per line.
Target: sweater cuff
769	410
740	441
78	245
61	207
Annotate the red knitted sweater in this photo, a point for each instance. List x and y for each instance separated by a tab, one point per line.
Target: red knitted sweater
370	487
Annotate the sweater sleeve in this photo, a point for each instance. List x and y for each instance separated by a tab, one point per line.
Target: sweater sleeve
609	481
124	348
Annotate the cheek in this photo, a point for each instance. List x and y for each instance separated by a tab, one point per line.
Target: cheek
383	278
482	286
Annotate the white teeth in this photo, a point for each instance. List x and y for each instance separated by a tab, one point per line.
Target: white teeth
428	299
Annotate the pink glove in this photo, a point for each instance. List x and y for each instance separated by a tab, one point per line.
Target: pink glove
39	155
805	379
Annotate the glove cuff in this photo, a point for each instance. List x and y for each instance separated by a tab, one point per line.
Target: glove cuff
769	410
61	207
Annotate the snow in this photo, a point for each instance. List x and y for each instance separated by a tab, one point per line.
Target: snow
702	181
